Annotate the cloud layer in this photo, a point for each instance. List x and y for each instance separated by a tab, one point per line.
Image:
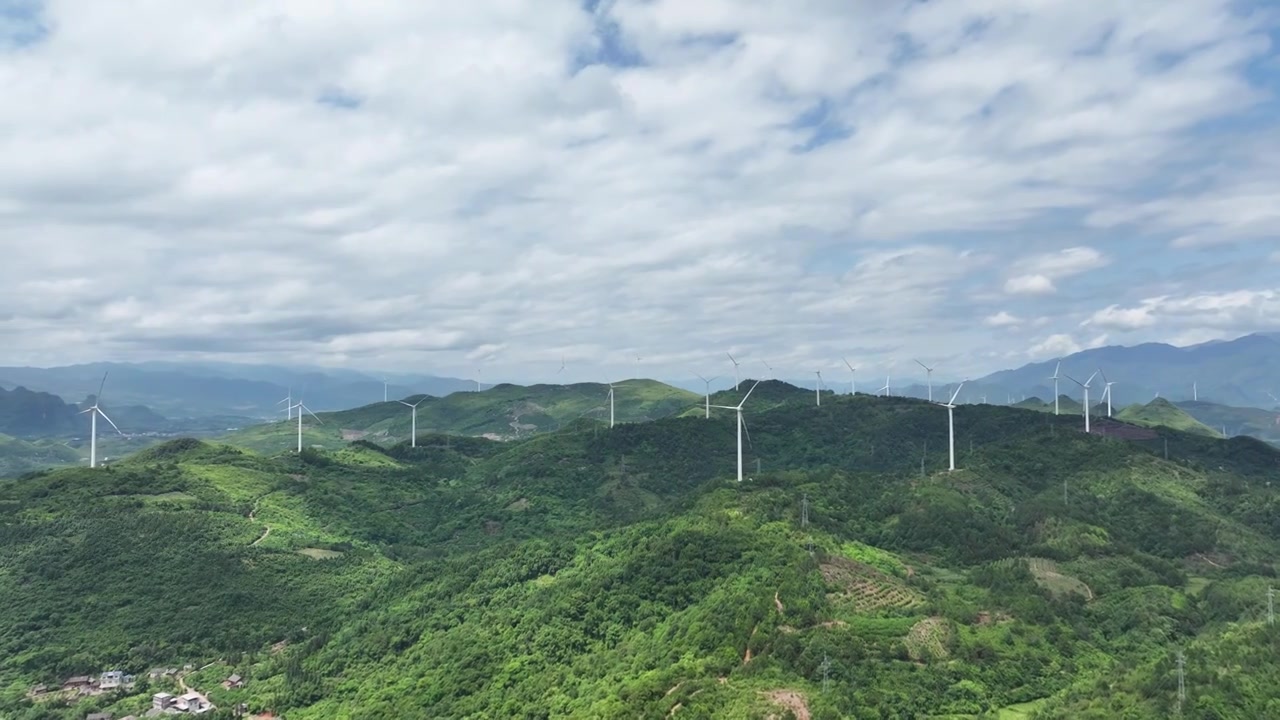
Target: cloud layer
502	183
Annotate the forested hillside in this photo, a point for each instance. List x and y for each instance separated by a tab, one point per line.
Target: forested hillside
598	573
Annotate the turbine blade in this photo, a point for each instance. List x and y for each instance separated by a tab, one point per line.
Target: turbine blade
846	364
956	394
735	362
746	430
926	367
744	399
304	407
702	378
98	398
1091	377
104	417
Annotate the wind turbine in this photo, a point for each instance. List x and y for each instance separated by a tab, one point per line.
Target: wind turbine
817	388
853	387
288	404
300	408
886	385
768	368
1054	378
413	440
94	411
1084	385
950	405
708	396
738	408
735	371
384	389
1106	391
477	379
1195	392
561	364
928	371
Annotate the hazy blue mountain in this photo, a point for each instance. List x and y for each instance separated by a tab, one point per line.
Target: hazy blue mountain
198	390
1238	372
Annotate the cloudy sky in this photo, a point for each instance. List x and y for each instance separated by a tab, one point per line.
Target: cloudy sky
502	183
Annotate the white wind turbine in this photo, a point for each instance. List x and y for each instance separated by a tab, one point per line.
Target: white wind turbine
1106	391
94	411
384	389
928	371
738	409
817	388
950	405
853	387
413	439
1054	378
885	389
301	408
708	395
1085	386
735	370
477	379
288	404
768	368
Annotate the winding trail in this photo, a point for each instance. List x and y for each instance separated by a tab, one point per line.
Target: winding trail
253	514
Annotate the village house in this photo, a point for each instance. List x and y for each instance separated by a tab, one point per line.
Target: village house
113	679
161	701
233	682
98	716
79	682
194	702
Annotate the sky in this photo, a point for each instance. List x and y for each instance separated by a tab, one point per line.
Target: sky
634	187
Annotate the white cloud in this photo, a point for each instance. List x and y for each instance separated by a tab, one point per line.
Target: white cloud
1054	346
1029	285
1117	318
1002	319
289	181
1036	274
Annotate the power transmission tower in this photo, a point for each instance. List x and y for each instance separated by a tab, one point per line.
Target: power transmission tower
826	672
1182	683
1271	606
804	511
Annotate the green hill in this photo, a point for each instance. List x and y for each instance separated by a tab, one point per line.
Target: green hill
1262	424
1162	413
20	456
620	573
502	412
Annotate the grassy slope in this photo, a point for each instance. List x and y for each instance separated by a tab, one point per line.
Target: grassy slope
1162	413
597	573
20	456
1259	423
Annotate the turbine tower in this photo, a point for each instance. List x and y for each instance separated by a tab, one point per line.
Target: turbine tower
928	371
303	408
94	411
610	404
1195	391
853	387
384	389
1085	386
413	439
735	370
1054	377
738	409
950	405
708	395
817	388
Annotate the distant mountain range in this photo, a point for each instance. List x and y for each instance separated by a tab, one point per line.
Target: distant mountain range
1238	372
193	390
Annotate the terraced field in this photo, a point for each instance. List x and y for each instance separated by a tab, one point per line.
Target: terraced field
864	588
928	639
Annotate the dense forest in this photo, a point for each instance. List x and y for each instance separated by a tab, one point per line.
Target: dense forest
621	573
